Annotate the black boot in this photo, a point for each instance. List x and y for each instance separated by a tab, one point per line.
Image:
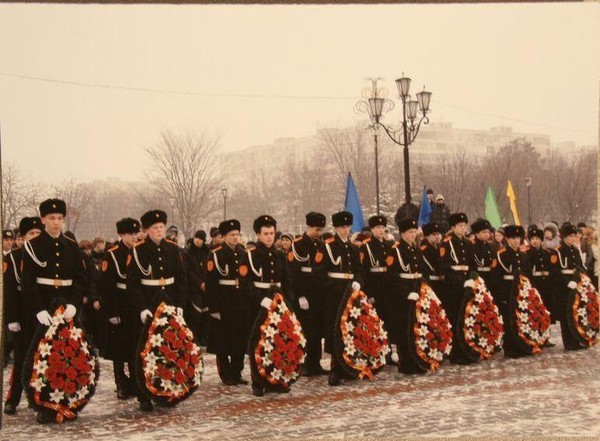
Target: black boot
146	406
10	409
257	390
334	379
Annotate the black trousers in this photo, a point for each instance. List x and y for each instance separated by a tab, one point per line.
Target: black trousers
21	343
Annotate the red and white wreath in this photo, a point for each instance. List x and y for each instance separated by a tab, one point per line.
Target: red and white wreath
533	318
585	310
483	327
172	362
432	329
280	351
64	368
365	342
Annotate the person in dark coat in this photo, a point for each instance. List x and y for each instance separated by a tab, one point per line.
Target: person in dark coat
155	274
440	213
539	259
115	303
482	250
227	305
306	258
430	253
343	267
53	273
196	311
20	320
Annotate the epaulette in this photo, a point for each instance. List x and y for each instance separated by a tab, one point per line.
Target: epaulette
423	247
171	242
72	240
501	250
116	247
367	240
139	243
330	240
396	244
447	239
297	240
250	248
214	250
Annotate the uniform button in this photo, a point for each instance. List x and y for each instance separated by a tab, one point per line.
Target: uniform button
270	254
158	249
56	243
160	258
272	271
163	287
236	261
58	264
58	254
161	268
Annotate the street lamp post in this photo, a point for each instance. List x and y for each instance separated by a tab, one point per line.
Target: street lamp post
528	184
224	194
411	123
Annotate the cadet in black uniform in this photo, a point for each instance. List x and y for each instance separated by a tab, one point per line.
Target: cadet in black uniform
226	305
53	272
456	264
115	302
430	252
511	262
196	312
539	259
19	318
264	267
155	274
343	267
307	265
482	250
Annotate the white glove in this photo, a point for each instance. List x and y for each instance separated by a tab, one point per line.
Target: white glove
303	302
179	311
371	300
413	296
115	320
266	302
44	317
572	284
145	314
70	311
470	283
355	286
216	315
14	327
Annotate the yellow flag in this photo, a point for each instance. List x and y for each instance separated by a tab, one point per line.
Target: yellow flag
510	192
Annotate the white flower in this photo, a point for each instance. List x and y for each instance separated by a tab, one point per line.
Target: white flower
350	349
469	334
92	377
275	318
57	319
82	393
195	349
76	333
584	321
348	340
448	349
349	327
423	331
469	321
523	304
268	346
151	358
500	319
483	342
361	363
44	349
162	321
40	367
166	384
581	312
436	355
270	332
56	396
198	378
150	368
73	400
276	374
302	340
425	303
355	312
383	333
478	297
156	340
422	343
423	318
474	310
50	332
170	310
38	384
179	319
267	361
373	312
524	316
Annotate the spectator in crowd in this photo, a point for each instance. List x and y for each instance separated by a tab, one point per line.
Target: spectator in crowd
499	240
583	240
440	213
596	262
286	242
98	248
551	239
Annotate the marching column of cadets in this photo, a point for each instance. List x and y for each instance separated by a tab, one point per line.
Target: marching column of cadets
221	286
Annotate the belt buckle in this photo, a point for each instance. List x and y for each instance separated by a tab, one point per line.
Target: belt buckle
162	281
57	283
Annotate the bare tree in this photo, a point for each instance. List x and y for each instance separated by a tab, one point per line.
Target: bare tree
184	176
19	195
77	196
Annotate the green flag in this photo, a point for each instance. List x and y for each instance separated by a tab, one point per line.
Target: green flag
491	209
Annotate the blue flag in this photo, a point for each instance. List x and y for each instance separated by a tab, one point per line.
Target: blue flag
425	210
352	205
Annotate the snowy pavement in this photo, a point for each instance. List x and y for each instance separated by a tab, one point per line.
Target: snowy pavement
556	393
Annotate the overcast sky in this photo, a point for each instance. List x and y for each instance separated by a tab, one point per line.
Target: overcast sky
257	73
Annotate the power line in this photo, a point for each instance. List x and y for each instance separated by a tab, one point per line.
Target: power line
263	96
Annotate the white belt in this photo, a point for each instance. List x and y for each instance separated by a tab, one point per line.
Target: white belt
379	269
460	267
54	282
568	271
540	273
435	278
484	269
121	285
228	282
306	269
508	277
265	285
411	275
349	276
158	282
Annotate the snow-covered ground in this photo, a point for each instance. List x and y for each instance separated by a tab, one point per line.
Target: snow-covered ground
553	394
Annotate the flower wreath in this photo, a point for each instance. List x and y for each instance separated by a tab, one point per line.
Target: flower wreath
62	368
432	329
362	342
170	365
532	318
585	311
280	348
482	327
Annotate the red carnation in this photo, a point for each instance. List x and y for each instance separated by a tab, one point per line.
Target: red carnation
179	378
70	387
